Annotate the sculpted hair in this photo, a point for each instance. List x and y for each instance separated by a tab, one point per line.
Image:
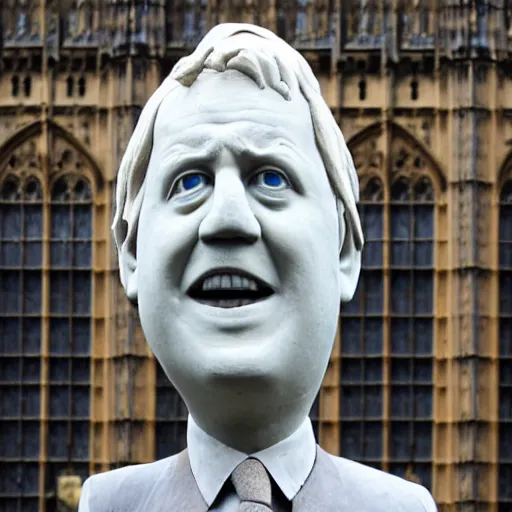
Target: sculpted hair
270	62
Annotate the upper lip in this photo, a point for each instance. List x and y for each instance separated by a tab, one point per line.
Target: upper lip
243	280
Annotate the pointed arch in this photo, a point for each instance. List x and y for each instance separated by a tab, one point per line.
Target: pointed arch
398	132
34	130
505	172
401	184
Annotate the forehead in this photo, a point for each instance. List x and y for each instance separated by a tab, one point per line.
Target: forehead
231	103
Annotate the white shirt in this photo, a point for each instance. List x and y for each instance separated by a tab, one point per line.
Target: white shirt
289	462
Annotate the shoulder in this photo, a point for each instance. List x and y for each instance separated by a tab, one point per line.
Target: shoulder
382	491
113	490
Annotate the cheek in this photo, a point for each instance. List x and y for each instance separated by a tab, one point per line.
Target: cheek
164	244
304	242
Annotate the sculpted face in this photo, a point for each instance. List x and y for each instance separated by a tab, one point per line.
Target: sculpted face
238	253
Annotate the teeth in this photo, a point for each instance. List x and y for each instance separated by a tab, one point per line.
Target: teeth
228	281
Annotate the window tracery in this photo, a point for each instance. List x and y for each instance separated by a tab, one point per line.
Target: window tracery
26	197
368	158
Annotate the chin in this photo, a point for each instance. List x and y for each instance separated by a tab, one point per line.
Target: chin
232	370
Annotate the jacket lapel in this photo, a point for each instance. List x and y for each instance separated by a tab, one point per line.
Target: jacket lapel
323	490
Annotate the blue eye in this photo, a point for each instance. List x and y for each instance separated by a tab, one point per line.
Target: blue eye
191	182
272	180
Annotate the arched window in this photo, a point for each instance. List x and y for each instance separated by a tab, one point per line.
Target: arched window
411	331
21	233
362	331
505	340
70	328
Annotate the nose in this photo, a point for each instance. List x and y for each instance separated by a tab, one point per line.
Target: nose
230	216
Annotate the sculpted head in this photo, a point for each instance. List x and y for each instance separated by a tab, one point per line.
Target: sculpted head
238	233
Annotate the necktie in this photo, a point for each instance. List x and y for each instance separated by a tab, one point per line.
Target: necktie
252	484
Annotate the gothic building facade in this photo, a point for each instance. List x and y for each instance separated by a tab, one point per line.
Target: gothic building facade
420	379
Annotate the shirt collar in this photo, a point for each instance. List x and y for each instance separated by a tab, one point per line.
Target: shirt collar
289	462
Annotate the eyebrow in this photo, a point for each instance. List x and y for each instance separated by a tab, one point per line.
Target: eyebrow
203	147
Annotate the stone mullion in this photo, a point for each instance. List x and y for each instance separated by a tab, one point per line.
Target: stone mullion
386	311
45	346
46	74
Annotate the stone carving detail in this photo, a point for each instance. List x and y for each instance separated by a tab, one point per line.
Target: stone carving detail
417	24
479	23
474	24
368	159
406	160
364	22
80	28
52	28
313	23
25	159
21	23
64	157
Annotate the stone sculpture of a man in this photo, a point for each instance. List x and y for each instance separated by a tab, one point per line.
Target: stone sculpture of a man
238	236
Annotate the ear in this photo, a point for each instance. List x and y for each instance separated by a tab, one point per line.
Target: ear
128	263
349	262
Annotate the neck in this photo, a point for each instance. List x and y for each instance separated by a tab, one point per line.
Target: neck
249	433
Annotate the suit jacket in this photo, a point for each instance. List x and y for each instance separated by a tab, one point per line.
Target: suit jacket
334	485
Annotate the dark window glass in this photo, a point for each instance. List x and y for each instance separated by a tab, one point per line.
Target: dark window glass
505	340
412	307
362	335
70	326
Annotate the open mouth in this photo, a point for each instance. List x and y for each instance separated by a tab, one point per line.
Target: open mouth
229	289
